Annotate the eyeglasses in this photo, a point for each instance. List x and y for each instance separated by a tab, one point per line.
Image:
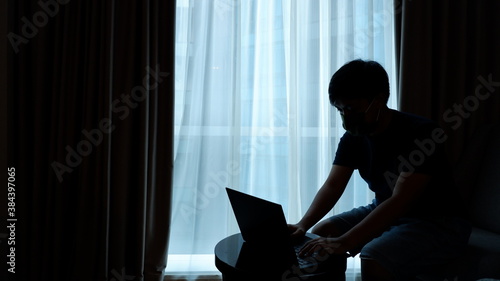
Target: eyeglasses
351	108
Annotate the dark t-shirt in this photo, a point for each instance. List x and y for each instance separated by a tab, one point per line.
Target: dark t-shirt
410	144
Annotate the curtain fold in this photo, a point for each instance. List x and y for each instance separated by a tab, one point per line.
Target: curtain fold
91	137
449	64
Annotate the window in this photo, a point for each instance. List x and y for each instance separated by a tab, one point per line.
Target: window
252	109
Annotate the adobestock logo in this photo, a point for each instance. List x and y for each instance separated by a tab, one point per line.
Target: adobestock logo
121	276
94	137
483	91
40	19
454	117
217	180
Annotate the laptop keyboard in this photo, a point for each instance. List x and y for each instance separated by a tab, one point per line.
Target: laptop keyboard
307	262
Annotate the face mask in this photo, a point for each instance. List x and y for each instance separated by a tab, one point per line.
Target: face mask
356	125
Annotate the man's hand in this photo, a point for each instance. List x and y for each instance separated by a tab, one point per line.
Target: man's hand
297	232
332	246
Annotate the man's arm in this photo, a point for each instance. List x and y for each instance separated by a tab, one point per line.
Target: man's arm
408	189
327	196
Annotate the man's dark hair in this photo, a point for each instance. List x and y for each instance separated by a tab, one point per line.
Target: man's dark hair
359	79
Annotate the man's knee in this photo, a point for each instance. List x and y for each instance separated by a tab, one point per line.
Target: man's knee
372	270
326	228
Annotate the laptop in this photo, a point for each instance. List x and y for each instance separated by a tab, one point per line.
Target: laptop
263	226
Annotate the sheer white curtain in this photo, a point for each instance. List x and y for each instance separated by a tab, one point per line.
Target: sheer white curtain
252	109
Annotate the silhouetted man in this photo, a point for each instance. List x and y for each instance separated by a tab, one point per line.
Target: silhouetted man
413	225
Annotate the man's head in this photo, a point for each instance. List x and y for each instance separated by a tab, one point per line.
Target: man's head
360	91
359	79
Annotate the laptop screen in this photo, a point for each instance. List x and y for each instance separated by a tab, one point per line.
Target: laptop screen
259	220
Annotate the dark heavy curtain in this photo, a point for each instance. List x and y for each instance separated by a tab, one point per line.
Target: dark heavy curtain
449	64
90	136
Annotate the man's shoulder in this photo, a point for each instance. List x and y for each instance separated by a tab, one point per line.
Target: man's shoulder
411	118
413	123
